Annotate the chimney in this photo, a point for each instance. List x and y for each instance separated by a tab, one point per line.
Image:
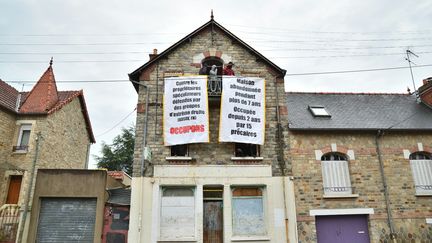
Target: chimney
154	55
425	92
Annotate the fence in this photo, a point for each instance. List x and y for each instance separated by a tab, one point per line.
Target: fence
9	219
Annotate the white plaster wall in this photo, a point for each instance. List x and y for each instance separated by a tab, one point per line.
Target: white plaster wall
148	202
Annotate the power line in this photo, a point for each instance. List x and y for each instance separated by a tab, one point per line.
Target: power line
122	120
288	74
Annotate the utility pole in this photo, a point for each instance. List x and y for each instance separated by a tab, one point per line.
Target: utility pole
29	189
408	53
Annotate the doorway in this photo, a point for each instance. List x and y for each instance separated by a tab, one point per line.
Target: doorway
14	189
213	214
342	228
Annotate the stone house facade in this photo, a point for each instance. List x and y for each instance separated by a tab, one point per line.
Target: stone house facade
56	120
362	166
209	178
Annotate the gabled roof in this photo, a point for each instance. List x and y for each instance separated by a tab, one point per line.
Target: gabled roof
8	96
43	99
134	76
358	111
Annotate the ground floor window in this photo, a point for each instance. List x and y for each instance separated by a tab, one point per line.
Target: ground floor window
248	211
177	213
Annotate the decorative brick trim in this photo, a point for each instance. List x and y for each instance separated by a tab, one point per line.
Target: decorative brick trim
146	74
283	110
140	108
335	148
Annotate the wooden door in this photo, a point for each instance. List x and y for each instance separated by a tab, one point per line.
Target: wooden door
213	222
14	189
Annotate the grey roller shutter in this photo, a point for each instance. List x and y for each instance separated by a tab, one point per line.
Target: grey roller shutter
66	220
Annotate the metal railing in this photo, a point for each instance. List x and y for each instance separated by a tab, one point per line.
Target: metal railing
9	220
214	86
338	189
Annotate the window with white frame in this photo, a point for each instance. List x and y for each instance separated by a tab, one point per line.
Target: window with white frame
23	138
421	166
248	211
177	218
335	173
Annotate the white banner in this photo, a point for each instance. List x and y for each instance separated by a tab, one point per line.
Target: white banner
185	110
242	117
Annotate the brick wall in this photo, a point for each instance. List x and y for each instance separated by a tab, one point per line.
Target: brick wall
365	178
185	59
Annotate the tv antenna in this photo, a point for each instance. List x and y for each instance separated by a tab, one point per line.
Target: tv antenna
408	54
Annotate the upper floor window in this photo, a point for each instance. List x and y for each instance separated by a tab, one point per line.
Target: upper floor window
335	173
23	138
179	150
421	166
246	150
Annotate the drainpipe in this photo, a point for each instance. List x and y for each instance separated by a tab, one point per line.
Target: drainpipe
29	190
384	181
142	167
282	161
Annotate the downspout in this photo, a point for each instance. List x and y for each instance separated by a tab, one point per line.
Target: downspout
142	167
281	160
384	181
29	190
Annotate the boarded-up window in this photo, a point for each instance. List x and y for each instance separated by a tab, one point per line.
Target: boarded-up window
248	212
335	173
421	166
177	213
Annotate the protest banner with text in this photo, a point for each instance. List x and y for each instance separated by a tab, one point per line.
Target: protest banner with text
242	110
185	110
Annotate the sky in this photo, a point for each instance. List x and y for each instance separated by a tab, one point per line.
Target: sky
105	40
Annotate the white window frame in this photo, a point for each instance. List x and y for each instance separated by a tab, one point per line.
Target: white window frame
174	238
240	237
23	127
422	175
336	177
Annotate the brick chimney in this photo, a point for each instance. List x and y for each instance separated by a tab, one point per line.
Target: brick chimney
154	55
425	92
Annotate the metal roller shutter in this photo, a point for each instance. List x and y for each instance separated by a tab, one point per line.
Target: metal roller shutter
66	220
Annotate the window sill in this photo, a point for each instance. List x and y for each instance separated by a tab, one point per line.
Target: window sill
178	240
20	152
177	158
250	238
247	158
341	196
424	194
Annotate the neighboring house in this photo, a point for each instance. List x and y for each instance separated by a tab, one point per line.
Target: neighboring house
362	166
116	216
209	192
58	118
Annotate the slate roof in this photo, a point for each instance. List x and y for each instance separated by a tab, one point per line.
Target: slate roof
358	111
134	76
119	196
43	99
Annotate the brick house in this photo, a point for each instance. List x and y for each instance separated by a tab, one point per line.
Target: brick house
61	119
362	166
200	191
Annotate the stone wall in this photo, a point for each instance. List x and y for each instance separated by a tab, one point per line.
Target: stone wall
186	60
7	128
64	143
408	210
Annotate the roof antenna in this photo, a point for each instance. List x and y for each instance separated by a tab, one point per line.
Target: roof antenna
51	61
211	16
408	53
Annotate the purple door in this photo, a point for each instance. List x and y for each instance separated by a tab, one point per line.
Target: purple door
342	229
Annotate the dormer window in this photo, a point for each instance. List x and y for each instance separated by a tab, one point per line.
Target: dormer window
319	111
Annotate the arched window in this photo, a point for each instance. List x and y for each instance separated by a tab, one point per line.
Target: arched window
214	84
335	172
421	166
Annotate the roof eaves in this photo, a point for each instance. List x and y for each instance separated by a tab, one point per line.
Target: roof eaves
134	76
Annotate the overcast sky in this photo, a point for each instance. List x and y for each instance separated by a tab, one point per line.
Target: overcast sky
105	40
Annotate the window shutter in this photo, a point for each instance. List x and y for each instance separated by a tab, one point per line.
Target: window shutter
336	178
422	174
